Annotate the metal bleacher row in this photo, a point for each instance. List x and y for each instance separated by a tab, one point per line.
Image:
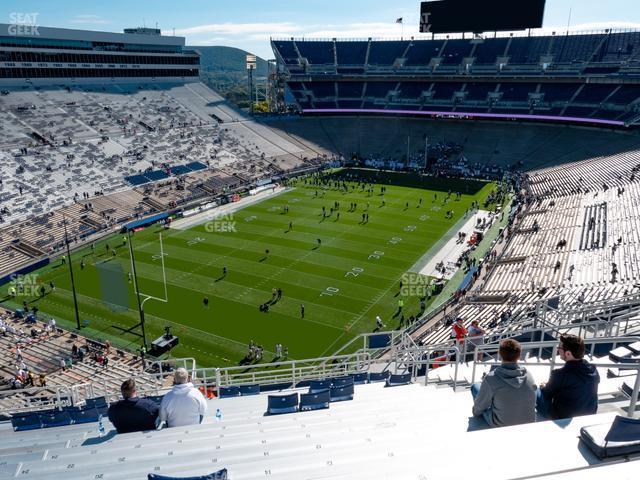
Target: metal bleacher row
42	354
92	139
375	430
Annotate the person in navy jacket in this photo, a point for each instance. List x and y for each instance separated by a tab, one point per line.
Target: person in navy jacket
572	390
133	414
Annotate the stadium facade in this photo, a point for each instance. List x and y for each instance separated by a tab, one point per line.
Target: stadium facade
35	55
591	78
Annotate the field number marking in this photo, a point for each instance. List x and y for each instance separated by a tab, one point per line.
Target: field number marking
354	272
195	241
330	292
395	240
251	218
410	228
424	218
158	256
376	255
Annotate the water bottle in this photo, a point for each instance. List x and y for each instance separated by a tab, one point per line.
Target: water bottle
218	415
100	426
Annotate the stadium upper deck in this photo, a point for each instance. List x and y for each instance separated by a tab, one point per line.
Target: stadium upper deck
591	78
34	55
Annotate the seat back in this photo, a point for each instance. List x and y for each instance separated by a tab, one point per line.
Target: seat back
83	415
28	421
316	386
315	401
155	398
231	391
219	475
397	380
342	381
359	378
98	402
249	390
340	394
55	418
624	430
379	377
277	404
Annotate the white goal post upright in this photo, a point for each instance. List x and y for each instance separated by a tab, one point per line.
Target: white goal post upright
164	277
137	289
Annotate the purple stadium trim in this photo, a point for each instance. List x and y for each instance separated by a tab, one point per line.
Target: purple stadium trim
467	114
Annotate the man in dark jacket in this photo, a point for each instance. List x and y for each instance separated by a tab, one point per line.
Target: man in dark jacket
133	414
572	390
507	395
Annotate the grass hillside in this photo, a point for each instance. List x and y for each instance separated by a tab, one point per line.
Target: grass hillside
228	60
224	69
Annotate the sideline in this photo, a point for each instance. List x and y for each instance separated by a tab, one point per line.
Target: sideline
448	250
228	209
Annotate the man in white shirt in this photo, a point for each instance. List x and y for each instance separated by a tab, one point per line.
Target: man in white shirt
184	404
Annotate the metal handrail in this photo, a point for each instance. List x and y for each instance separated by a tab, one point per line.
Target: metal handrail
292	371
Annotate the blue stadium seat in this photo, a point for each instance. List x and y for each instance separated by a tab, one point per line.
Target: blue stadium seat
341	394
379	377
360	378
380	340
195	166
315	401
278	404
316	386
83	415
246	390
397	380
219	475
155	398
28	421
55	418
621	438
97	402
341	381
226	392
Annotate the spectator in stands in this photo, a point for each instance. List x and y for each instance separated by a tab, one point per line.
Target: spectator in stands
184	404
476	338
507	395
459	331
573	389
133	414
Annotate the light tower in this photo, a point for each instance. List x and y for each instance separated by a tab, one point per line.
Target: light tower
251	66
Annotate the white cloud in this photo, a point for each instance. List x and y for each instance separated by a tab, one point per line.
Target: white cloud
237	29
89	20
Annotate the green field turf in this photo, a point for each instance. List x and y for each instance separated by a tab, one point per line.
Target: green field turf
352	277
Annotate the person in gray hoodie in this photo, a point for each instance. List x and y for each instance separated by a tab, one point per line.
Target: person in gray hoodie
507	395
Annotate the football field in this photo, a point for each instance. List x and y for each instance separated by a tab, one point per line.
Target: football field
345	271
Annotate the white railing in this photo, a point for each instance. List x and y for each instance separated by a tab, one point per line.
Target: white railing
286	373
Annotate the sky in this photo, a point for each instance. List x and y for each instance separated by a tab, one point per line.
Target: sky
249	24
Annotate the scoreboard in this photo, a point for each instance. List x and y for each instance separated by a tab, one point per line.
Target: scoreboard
457	16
